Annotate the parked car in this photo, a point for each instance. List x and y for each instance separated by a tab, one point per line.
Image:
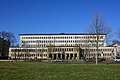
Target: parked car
58	60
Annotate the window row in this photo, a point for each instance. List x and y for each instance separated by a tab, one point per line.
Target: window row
65	37
28	50
61	41
53	49
53	44
29	55
101	50
102	54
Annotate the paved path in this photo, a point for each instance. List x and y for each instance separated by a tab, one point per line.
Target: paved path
6	60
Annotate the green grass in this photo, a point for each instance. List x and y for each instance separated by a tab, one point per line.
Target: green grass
42	71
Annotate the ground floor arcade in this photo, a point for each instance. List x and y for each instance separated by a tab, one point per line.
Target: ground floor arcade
64	56
59	52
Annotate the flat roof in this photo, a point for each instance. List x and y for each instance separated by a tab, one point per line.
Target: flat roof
64	34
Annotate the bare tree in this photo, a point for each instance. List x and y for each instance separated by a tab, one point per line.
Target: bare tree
8	36
119	33
116	42
99	27
87	49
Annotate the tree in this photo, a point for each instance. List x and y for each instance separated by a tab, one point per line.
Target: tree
87	49
8	36
119	33
98	27
116	42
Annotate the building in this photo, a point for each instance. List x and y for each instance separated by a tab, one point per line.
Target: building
65	46
4	48
116	52
43	40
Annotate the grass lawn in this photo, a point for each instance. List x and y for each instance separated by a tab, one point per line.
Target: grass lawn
43	71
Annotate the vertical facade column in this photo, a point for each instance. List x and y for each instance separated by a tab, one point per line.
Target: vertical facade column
61	55
65	56
47	56
73	56
78	56
69	56
56	55
52	56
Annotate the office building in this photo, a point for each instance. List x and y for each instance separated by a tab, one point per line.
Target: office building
65	46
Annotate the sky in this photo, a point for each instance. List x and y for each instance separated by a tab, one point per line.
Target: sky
56	16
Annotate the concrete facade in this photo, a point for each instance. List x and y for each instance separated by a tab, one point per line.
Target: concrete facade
64	46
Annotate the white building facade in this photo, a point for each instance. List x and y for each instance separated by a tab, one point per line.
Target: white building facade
43	40
65	46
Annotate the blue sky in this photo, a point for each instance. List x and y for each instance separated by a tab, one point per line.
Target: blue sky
56	16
